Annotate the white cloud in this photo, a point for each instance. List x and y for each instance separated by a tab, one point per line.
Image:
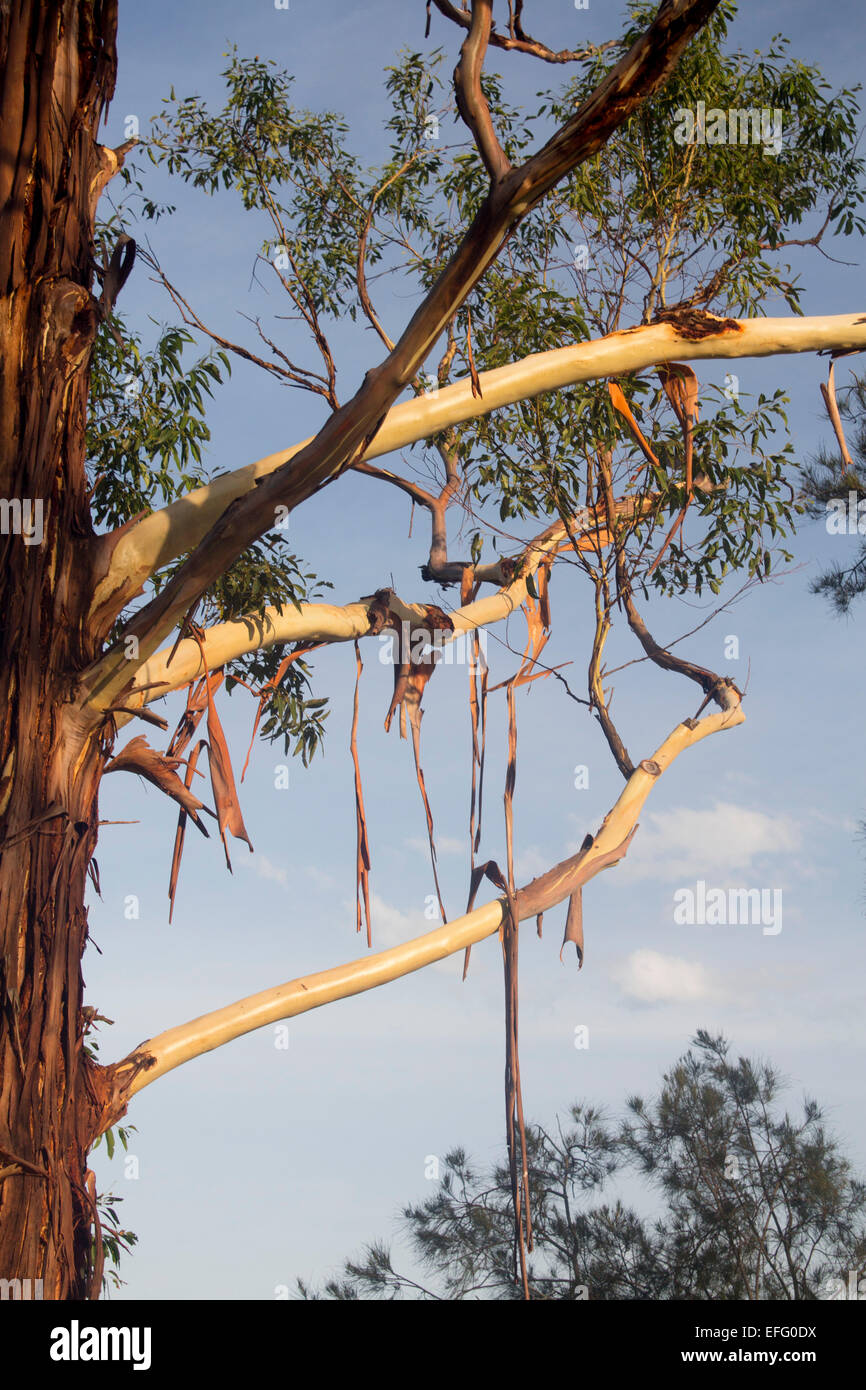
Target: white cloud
531	862
391	927
264	867
724	839
652	978
322	880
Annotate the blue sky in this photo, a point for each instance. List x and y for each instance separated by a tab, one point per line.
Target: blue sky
258	1164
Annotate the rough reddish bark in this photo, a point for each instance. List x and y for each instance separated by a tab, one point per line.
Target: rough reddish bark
57	68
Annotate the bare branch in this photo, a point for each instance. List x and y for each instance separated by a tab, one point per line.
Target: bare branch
471	102
171	1049
520	42
361	268
418	494
299	376
707	680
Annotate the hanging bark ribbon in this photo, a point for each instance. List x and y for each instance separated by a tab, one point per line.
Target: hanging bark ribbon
410	681
478	672
225	795
828	392
362	866
681	388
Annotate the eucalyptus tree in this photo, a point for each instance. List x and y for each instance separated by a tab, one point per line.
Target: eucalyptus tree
569	262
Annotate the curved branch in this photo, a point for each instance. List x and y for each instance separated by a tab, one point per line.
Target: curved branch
438	567
171	1049
419	495
471	102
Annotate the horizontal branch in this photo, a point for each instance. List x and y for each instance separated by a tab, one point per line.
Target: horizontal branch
131	557
171	1049
324	623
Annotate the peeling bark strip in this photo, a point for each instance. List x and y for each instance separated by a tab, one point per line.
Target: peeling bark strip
411	674
180	833
478	720
583	872
515	1130
57	68
229	815
696	324
161	770
828	394
621	405
362	867
574	926
537	625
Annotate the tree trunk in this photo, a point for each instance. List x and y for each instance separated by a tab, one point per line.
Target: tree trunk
57	68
